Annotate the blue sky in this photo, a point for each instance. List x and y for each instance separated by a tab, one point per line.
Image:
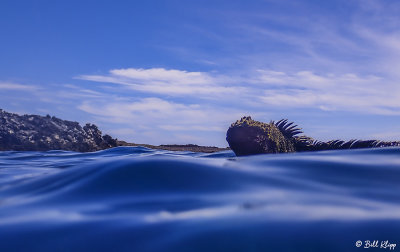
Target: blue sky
163	72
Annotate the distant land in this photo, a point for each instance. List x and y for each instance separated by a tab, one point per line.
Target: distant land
177	147
43	133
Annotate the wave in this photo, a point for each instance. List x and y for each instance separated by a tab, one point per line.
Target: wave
139	199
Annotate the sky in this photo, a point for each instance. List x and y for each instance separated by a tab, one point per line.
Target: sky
179	72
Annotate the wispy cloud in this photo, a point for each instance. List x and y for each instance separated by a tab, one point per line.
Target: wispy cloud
154	115
304	89
168	81
348	92
158	112
17	87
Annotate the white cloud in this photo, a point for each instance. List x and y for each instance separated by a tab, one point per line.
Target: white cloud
173	127
170	82
17	87
348	92
164	76
302	89
157	110
158	121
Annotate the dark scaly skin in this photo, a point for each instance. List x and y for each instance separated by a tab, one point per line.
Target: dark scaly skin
248	137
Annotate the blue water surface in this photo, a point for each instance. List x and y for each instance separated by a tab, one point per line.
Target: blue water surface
139	199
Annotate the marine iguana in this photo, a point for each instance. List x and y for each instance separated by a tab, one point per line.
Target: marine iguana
248	137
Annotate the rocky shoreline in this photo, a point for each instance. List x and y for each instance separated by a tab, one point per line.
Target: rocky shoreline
43	133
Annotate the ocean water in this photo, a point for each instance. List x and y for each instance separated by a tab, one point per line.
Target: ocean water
138	199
